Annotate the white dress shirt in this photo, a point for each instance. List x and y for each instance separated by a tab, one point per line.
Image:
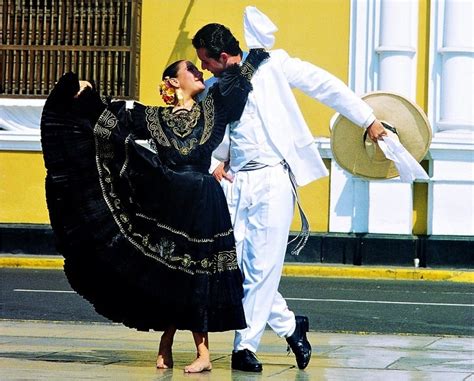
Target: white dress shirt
249	140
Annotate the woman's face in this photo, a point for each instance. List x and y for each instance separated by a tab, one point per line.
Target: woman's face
190	78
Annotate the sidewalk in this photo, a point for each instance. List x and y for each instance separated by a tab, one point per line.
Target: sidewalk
44	350
289	269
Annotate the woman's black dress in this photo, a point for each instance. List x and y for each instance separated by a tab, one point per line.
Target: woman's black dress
146	235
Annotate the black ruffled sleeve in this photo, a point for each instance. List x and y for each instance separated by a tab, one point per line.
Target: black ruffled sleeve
227	98
234	84
61	97
89	105
138	115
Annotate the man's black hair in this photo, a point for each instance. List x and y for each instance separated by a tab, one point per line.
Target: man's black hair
216	39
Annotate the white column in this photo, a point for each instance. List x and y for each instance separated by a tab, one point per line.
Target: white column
397	47
382	57
457	67
391	202
451	106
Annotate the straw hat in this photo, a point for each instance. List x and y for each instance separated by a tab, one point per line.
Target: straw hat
357	154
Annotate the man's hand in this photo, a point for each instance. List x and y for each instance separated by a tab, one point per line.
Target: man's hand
220	173
376	131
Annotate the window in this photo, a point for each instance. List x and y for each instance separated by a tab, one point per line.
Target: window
42	39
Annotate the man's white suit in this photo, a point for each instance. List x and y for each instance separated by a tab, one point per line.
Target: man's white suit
261	201
282	118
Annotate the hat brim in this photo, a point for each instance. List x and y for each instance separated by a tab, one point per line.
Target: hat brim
413	128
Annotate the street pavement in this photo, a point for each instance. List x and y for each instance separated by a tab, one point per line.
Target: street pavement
71	350
41	350
332	304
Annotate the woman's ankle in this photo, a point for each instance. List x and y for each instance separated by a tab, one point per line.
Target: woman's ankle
164	360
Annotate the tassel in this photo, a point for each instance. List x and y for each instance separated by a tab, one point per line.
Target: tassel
303	235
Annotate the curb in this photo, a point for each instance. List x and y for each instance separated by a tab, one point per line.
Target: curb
367	272
32	262
301	270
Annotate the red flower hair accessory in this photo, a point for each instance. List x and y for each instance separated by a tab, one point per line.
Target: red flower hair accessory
167	92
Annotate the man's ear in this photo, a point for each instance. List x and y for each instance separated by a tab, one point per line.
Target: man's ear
223	57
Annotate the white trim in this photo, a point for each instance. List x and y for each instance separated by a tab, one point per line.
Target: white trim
324	147
450	144
452	49
23	139
29	139
14	141
22	102
395	49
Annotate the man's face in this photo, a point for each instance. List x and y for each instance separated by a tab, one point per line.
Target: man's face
207	63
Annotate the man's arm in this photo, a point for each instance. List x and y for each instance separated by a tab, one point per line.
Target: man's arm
219	158
330	90
326	88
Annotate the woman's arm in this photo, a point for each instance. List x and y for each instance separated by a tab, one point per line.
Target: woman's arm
226	99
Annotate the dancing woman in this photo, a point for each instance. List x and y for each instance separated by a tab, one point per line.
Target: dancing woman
146	233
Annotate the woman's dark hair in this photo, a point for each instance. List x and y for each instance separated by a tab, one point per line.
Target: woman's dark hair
216	38
172	70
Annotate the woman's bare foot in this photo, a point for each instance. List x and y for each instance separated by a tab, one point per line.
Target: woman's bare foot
164	359
199	365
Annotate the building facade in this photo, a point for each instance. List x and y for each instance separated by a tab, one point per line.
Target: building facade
421	49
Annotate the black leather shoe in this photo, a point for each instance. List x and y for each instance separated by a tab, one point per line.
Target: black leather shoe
299	343
246	361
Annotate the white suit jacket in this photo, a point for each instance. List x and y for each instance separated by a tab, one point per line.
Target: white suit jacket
282	117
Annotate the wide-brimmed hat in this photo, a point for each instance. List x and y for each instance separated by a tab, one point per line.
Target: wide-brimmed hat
356	153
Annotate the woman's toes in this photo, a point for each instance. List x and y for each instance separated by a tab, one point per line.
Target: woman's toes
199	365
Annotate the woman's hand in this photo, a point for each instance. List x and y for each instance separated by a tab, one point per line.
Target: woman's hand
82	86
220	173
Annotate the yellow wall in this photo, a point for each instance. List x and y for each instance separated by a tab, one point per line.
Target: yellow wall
22	194
313	30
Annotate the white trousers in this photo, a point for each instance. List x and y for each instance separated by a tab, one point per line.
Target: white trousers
261	205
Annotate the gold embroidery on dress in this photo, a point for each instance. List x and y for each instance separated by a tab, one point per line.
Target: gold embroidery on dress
106	123
186	147
164	250
208	106
247	70
127	155
184	234
182	122
153	125
224	258
166	247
